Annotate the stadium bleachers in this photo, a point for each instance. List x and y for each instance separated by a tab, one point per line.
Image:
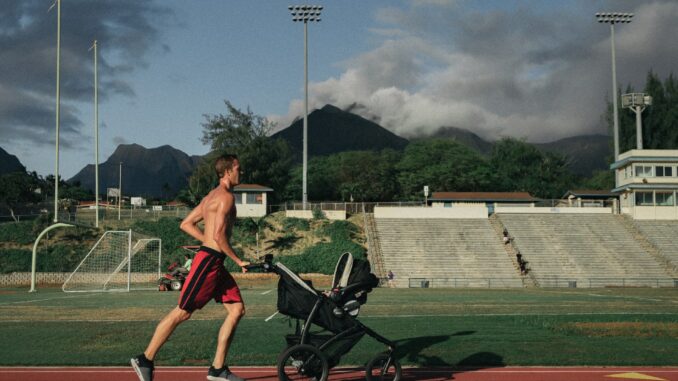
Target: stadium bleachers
446	252
594	250
663	235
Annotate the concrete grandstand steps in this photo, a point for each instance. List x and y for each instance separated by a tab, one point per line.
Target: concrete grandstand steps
662	236
580	247
463	252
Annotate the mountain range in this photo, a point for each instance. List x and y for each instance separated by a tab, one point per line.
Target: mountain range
150	172
164	171
331	130
9	163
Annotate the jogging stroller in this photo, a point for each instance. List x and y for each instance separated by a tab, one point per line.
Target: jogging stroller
310	355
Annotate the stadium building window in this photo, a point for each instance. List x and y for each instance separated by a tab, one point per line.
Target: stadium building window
643	171
254	198
644	199
665	198
238	198
662	171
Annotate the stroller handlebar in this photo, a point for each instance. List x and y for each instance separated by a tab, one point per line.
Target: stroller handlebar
266	265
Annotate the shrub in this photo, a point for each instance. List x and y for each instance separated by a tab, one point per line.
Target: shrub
318	214
17	232
15	260
291	223
245	231
57	258
338	230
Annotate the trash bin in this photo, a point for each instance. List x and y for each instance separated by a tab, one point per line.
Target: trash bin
424	284
572	283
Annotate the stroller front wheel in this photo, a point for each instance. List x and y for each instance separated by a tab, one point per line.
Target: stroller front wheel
303	362
383	367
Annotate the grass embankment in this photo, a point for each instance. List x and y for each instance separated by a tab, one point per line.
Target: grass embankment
433	327
305	246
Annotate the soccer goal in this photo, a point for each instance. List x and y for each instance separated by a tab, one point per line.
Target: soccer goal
118	261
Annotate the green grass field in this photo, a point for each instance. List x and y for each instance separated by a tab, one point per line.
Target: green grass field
433	327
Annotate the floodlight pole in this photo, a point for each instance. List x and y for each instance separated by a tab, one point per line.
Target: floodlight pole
96	137
119	190
637	102
613	18
58	103
305	13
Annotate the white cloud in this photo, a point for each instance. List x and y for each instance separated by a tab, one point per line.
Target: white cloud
520	72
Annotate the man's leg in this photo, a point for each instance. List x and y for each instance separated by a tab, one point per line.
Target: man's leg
143	363
164	330
235	312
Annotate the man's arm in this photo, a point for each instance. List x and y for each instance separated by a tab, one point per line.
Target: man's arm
220	225
190	223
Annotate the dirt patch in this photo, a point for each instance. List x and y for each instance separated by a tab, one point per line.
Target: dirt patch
630	329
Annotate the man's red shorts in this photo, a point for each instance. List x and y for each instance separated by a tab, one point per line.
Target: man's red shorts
208	279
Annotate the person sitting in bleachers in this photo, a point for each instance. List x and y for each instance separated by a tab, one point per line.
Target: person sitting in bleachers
521	263
506	238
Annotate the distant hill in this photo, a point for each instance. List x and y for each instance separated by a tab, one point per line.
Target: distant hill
9	163
331	130
585	153
148	172
465	137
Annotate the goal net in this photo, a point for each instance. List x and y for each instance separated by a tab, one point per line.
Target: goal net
118	261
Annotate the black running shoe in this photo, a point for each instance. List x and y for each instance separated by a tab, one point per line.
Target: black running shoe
223	374
143	367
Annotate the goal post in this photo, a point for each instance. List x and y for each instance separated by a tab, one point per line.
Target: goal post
118	261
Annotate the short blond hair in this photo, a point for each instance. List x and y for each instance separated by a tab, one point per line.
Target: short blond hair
223	163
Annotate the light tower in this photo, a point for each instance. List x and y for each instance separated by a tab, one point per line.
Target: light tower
305	14
614	18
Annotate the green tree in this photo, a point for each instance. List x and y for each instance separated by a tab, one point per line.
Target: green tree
18	188
322	180
659	119
443	165
522	167
357	175
368	175
264	160
601	180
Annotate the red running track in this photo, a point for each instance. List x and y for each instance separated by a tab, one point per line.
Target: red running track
348	374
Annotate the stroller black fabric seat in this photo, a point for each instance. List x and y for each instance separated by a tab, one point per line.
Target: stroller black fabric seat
297	300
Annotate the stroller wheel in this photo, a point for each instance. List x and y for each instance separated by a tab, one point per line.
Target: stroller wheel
303	362
383	367
176	285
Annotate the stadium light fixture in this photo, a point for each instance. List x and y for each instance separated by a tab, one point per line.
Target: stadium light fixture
305	14
637	102
614	18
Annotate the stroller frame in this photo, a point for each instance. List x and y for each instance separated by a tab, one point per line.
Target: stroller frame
309	354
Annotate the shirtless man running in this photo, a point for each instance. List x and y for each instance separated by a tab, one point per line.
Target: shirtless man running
207	279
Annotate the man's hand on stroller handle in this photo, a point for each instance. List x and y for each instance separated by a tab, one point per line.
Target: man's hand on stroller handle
244	266
266	265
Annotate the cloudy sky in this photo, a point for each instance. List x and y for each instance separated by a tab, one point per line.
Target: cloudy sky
538	70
